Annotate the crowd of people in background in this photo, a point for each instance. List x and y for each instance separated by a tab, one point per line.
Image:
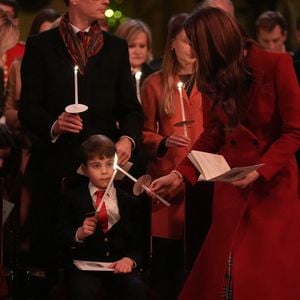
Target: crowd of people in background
78	101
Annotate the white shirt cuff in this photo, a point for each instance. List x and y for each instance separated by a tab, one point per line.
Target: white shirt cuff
54	138
178	174
130	139
76	237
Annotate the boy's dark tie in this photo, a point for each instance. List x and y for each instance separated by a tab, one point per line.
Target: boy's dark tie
102	214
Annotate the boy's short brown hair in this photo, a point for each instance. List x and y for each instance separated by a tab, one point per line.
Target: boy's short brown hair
96	146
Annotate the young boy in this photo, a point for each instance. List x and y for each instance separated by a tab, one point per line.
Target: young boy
112	235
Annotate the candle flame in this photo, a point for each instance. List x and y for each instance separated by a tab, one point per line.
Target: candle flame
76	68
115	161
138	75
179	85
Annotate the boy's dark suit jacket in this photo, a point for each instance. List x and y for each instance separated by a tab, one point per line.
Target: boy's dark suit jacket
48	87
125	238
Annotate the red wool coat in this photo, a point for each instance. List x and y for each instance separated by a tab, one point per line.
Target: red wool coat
259	225
167	222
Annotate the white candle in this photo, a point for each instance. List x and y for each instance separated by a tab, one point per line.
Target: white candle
76	84
179	87
138	76
143	186
110	183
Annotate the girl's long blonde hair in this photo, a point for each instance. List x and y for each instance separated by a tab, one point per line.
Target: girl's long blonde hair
171	66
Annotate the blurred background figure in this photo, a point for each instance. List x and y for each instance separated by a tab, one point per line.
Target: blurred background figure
15	235
9	192
9	35
271	31
139	39
44	20
226	5
10	157
11	8
166	145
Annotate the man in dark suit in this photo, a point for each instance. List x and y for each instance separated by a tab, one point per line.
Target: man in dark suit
104	85
112	235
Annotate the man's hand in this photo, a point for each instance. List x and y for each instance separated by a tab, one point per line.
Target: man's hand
123	146
177	141
87	228
123	265
67	122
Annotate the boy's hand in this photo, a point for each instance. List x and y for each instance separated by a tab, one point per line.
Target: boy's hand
87	228
123	265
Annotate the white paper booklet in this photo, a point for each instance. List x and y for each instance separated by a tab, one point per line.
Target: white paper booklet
214	167
87	265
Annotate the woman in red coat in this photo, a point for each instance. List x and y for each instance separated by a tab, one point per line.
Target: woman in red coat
166	145
252	107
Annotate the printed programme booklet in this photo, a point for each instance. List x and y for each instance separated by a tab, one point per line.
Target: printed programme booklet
214	167
86	265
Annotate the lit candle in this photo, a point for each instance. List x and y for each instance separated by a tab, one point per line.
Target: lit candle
138	76
179	87
76	108
76	84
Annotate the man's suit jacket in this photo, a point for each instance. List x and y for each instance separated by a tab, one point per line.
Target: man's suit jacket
48	87
124	238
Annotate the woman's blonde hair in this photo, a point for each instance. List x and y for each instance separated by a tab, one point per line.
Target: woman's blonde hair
9	33
171	66
130	28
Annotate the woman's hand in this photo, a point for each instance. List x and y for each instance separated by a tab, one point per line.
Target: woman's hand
177	141
123	265
243	183
163	185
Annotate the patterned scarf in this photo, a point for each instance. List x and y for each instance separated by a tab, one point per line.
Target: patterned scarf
80	51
